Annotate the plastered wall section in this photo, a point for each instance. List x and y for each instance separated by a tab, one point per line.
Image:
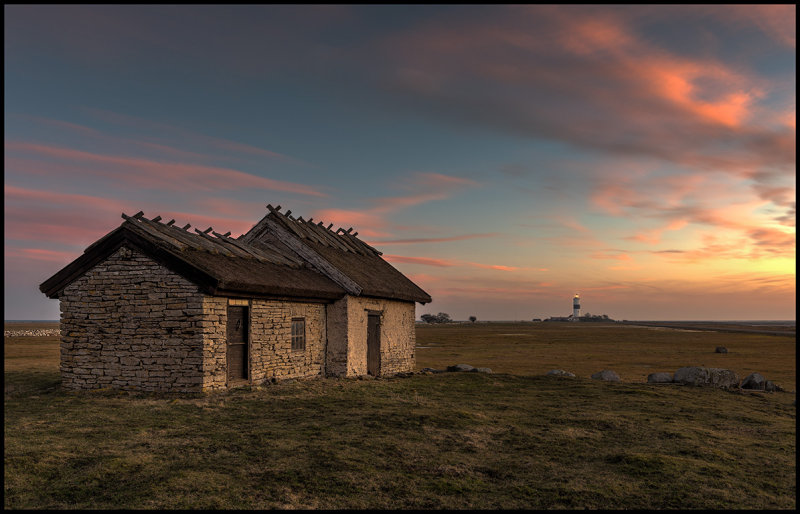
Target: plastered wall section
347	336
130	323
270	353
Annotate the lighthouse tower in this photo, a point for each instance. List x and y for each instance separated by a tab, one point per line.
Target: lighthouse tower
576	307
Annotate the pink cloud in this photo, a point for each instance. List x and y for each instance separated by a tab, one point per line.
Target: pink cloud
696	111
151	174
425	261
367	223
78	220
189	136
492	266
431	239
371	222
39	254
613	256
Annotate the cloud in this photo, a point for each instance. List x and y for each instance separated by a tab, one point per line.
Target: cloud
188	137
447	263
39	254
54	217
425	261
141	173
371	221
430	239
571	74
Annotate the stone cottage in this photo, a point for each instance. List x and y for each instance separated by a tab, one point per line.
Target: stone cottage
151	306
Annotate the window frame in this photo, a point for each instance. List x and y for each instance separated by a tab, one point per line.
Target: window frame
298	340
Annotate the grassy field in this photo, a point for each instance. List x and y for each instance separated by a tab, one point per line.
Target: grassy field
585	348
513	439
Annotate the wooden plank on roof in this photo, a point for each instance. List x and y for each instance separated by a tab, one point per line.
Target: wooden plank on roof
363	248
272	252
258	253
218	247
319	234
313	258
307	232
333	239
144	225
190	239
282	221
238	252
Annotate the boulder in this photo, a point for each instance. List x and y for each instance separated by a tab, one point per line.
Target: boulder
659	378
607	375
714	377
460	367
754	381
431	370
721	349
481	370
771	386
560	373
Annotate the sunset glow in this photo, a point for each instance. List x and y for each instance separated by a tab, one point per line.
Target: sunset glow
502	157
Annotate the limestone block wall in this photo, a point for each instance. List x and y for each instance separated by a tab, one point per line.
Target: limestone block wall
347	335
130	323
270	353
213	335
271	340
336	357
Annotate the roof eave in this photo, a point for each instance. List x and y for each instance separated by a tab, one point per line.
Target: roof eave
111	242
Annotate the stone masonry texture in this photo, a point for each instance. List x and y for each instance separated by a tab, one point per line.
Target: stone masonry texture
130	323
347	336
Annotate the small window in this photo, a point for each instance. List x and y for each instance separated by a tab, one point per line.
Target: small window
298	333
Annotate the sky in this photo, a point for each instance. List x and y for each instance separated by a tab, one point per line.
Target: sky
504	158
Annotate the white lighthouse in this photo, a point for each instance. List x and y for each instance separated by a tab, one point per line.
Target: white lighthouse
576	307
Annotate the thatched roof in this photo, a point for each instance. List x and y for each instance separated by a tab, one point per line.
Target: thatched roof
280	257
366	272
218	264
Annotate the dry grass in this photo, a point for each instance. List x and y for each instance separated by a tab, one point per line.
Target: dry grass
585	348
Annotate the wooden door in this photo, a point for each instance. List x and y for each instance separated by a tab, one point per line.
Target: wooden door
373	344
237	343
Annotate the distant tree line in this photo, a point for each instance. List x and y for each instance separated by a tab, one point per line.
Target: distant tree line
585	317
442	317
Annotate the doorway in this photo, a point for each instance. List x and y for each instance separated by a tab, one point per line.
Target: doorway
373	344
237	343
